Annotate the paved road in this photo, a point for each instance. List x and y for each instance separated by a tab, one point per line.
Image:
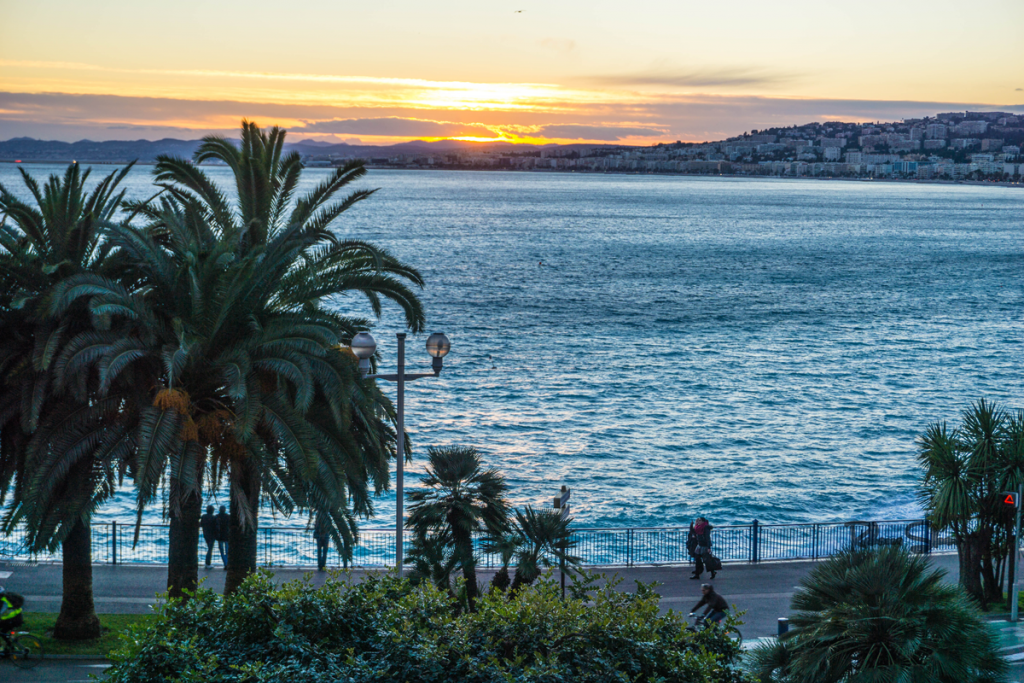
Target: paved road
53	671
763	590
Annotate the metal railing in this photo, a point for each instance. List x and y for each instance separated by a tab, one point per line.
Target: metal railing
114	543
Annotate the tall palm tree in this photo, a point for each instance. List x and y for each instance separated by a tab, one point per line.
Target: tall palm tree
60	445
459	498
966	468
545	541
228	317
881	615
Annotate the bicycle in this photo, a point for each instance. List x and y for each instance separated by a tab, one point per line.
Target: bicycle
21	647
700	623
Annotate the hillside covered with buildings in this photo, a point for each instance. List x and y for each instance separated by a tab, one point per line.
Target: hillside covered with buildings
957	145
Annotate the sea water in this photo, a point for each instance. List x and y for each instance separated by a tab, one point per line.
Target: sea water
674	346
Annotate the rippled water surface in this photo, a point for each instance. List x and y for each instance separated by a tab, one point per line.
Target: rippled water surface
669	346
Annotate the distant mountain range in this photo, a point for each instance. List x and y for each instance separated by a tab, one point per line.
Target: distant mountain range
146	151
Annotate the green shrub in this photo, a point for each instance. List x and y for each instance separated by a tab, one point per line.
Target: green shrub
880	616
385	629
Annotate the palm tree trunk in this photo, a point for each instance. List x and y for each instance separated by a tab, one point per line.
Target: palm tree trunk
464	542
77	619
970	567
993	588
183	548
242	545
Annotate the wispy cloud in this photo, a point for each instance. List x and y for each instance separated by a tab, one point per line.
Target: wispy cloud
688	78
561	45
396	127
267	75
57	116
577	131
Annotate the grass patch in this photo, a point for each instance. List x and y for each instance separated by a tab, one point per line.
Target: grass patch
41	625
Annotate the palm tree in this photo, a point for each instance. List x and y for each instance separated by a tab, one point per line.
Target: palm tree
545	541
227	317
504	544
459	498
60	445
432	557
965	471
881	615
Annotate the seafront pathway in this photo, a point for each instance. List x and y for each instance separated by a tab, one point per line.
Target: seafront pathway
763	590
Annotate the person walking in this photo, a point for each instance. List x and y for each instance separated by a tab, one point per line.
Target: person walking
716	604
223	533
698	544
322	541
208	522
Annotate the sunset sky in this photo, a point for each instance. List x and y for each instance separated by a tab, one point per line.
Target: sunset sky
555	71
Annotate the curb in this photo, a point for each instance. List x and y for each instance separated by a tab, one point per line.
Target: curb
77	658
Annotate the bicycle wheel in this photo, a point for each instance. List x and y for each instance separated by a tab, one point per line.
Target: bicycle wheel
26	650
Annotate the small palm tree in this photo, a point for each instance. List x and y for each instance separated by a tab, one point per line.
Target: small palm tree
459	498
432	558
881	615
545	541
504	545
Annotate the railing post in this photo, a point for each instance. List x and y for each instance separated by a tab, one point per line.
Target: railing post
927	538
814	542
629	547
113	542
754	541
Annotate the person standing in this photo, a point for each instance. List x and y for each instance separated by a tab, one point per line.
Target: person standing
691	543
223	533
698	543
323	540
208	522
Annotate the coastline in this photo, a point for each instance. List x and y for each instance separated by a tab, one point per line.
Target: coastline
735	176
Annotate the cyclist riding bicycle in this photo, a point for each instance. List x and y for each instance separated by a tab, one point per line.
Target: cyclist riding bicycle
10	610
716	604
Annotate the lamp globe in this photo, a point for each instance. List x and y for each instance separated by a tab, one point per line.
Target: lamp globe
363	345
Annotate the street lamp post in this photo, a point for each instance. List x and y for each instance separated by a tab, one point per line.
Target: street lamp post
363	347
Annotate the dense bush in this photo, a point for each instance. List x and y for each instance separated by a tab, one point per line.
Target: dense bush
384	629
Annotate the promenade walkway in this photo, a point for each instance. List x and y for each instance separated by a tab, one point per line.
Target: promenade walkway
763	590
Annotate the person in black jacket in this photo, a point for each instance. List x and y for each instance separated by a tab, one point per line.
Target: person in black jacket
208	522
716	604
223	533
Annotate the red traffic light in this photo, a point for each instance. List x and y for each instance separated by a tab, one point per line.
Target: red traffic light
1010	499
